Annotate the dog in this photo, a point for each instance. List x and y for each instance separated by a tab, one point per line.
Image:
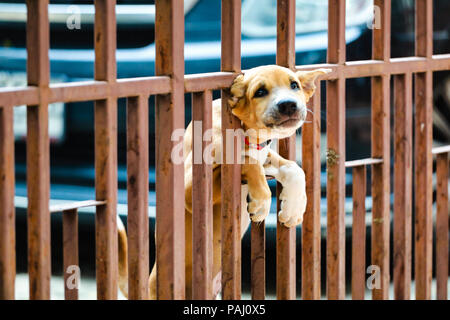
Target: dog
270	101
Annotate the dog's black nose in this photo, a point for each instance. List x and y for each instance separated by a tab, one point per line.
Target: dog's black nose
287	107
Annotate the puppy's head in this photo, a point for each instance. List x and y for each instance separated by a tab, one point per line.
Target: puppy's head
272	99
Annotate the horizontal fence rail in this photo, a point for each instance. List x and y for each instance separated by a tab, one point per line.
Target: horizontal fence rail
413	159
96	90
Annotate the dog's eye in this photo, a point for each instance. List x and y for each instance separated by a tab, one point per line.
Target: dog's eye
261	92
294	85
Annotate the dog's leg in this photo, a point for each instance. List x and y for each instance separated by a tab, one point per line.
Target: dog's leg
258	190
152	284
123	257
293	196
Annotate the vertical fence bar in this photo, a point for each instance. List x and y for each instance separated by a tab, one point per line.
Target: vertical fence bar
359	233
424	28
70	250
7	210
258	260
286	244
231	173
442	228
311	229
202	206
137	189
286	33
38	159
336	155
106	153
402	185
381	149
170	214
423	161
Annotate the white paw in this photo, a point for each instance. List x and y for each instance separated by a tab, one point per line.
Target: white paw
259	209
293	196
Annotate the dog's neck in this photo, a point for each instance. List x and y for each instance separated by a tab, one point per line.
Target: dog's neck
257	145
254	137
260	136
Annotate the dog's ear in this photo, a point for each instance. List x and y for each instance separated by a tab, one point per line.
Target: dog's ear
307	80
237	90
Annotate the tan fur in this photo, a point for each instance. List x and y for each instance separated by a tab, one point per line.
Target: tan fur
123	257
253	114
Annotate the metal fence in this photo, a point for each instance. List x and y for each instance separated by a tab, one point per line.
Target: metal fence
169	85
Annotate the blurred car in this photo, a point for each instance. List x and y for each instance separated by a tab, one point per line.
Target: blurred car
71	126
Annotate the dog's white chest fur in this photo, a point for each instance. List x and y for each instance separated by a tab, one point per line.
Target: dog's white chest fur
259	155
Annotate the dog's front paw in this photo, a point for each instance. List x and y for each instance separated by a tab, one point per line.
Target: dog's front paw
259	209
293	196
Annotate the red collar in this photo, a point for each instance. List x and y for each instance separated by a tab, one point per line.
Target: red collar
259	146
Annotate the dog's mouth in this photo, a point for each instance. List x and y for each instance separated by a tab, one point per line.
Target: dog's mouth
285	122
275	119
288	123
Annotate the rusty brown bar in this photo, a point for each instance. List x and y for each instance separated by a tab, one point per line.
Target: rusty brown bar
143	86
380	182
286	246
202	207
7	210
311	229
70	251
381	47
38	163
423	157
336	32
106	153
137	189
170	214
442	228
335	189
208	81
423	184
286	33
231	208
402	185
370	68
78	91
424	28
336	155
359	233
12	96
258	260
351	69
97	90
381	149
231	172
231	36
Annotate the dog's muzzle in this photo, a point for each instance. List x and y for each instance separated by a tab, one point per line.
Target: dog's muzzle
289	113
